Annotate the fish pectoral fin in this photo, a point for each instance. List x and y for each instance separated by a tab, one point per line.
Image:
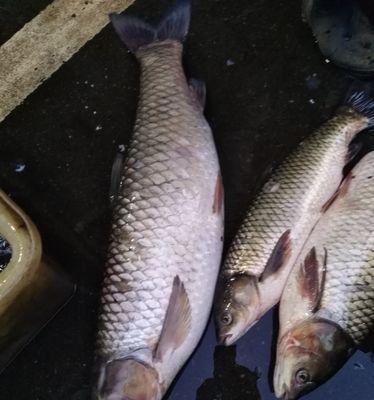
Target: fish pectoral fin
177	323
311	278
339	193
278	256
198	91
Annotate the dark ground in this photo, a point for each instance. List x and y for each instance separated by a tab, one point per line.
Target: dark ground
259	62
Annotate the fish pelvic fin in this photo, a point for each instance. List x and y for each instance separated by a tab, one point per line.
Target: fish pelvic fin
177	323
360	97
135	33
279	256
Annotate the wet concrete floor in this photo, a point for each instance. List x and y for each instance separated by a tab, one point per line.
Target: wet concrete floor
268	88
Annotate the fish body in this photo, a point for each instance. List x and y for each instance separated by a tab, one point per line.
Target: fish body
166	240
280	220
327	307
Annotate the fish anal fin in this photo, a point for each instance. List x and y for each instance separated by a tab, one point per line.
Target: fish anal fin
177	322
279	256
339	193
198	91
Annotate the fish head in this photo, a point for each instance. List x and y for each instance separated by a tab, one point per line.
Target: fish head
128	379
307	356
238	307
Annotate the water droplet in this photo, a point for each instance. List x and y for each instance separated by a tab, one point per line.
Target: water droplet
19	166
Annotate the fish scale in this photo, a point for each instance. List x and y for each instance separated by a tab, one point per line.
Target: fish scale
163	220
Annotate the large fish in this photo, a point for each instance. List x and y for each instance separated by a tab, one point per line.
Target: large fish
280	220
166	241
327	308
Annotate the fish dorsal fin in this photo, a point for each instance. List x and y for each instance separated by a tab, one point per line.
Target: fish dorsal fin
311	279
177	323
279	256
339	193
198	91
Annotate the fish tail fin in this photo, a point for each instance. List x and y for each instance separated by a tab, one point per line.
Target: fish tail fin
175	24
136	33
133	32
360	97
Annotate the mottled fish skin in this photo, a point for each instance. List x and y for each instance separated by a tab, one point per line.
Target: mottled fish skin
327	306
168	220
291	201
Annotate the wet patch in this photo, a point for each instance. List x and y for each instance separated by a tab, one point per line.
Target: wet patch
5	253
344	31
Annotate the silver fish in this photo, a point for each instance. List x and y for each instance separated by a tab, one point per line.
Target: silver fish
166	241
280	220
327	307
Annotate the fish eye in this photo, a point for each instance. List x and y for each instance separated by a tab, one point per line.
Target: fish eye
302	376
226	318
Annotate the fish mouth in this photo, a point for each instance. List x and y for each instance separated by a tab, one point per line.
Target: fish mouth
288	394
285	395
227	340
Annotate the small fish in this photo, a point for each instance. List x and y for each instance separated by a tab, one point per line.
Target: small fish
282	217
166	240
327	307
